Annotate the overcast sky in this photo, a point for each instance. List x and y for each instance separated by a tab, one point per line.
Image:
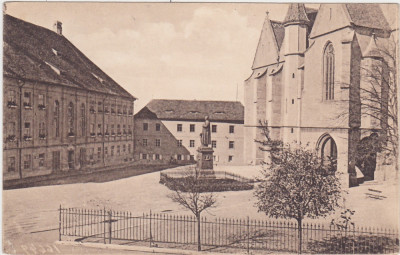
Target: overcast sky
162	50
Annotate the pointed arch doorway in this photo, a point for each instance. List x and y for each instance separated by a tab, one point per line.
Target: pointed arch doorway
327	149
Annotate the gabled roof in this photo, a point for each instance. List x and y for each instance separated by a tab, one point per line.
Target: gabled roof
36	53
367	15
193	110
296	13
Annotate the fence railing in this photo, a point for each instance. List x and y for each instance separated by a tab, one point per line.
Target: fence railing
218	175
110	226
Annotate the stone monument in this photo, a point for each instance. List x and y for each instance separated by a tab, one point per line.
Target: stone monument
205	153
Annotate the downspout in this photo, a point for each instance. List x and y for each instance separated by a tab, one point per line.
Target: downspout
21	84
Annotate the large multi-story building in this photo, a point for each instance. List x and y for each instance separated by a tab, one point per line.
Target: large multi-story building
169	130
61	112
308	72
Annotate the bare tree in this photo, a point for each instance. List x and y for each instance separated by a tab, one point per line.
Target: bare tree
188	192
296	184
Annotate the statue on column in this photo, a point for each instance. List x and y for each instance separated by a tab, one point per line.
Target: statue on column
205	136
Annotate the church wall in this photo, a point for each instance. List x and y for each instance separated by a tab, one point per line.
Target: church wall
316	111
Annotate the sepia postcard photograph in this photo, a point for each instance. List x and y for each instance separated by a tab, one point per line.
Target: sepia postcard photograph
200	128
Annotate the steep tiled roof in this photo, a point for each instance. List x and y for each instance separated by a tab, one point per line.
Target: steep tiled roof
296	13
194	110
36	53
279	32
367	15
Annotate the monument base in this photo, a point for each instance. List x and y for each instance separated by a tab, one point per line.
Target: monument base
205	162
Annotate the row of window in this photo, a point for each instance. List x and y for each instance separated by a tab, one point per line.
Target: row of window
27	102
11	129
192	128
191	143
27	159
177	157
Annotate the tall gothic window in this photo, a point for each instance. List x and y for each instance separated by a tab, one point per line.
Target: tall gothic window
329	72
83	119
70	119
57	118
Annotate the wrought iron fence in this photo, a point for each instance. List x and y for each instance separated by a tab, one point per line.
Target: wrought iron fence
110	226
217	174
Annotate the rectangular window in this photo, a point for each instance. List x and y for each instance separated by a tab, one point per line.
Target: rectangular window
129	148
144	156
105	151
112	150
230	158
124	148
192	127
191	143
179	143
107	129
11	97
231	144
27	99
11	164
42	130
179	157
11	129
41	104
27	161
214	128
27	130
158	127
129	130
145	126
179	127
214	144
118	150
41	159
144	142
92	130
99	107
112	129
98	152
158	142
99	129
192	157
157	156
91	153
231	129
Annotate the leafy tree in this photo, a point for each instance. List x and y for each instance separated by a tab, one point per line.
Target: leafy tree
297	184
188	193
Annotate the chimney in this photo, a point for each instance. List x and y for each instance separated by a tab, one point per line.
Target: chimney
58	27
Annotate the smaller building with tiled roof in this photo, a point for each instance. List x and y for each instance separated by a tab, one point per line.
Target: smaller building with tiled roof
169	130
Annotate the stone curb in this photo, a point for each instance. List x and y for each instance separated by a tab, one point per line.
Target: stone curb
140	248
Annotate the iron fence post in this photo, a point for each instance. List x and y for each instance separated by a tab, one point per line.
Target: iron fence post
150	229
109	226
248	235
59	225
104	225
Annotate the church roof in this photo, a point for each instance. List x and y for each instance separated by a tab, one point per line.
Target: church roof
367	15
39	54
296	13
194	110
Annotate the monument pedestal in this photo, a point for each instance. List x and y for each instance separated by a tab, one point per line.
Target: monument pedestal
205	162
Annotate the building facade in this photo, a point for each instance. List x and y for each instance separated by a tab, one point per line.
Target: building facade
61	112
308	72
169	130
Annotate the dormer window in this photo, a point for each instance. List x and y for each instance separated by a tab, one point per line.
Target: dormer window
55	69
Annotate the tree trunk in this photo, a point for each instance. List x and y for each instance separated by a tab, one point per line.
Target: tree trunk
300	233
198	233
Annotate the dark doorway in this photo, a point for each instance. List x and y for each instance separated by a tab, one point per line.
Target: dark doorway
71	161
82	157
367	149
56	161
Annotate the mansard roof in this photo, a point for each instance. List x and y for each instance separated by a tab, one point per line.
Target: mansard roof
367	15
296	13
35	53
193	110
